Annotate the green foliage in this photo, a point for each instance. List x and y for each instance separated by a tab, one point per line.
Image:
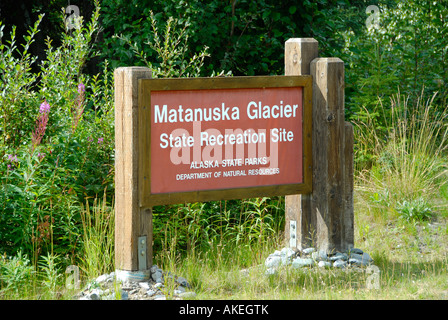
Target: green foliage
16	95
53	170
15	272
415	210
44	183
243	37
201	226
98	238
171	50
406	54
50	273
409	164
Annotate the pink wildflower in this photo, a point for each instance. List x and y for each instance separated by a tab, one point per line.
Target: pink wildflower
44	107
12	159
78	108
81	88
41	123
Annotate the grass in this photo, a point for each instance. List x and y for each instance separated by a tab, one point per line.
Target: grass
47	279
412	262
410	166
411	257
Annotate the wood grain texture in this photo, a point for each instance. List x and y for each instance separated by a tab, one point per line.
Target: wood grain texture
299	52
130	221
348	216
328	137
324	217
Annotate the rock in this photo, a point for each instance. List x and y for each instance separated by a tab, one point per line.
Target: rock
270	271
320	255
302	262
287	252
96	294
355	256
338	256
363	260
355	250
104	278
324	264
156	273
134	287
308	250
159	285
157	276
124	295
366	259
183	282
354	261
151	292
179	290
144	285
360	259
340	264
273	261
278	258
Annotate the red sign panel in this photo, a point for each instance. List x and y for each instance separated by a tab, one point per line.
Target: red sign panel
225	138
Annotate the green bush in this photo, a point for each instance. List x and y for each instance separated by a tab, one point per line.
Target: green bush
244	37
405	54
59	153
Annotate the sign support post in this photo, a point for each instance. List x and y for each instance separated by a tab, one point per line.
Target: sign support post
324	218
133	225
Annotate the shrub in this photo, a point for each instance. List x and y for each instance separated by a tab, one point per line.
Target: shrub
58	152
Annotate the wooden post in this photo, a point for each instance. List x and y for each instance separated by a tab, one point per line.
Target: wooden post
349	218
299	52
133	226
324	218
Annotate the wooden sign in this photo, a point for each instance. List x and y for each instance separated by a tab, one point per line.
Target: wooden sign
205	139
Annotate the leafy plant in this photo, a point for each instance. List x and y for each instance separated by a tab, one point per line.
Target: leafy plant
59	152
15	272
171	50
415	210
50	273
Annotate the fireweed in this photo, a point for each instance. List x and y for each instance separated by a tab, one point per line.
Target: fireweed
12	161
41	124
78	108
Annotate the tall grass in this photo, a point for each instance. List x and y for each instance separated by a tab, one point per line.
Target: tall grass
98	238
410	166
